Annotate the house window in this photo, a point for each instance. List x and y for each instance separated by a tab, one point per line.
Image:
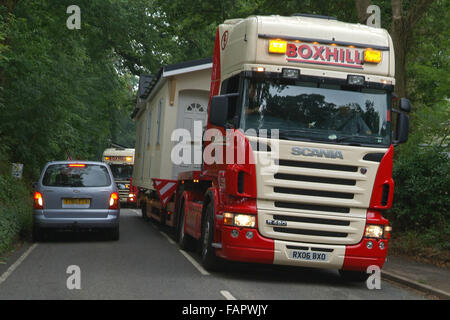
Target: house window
195	107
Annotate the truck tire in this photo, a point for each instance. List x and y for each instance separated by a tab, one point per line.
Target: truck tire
354	276
114	234
208	254
185	241
144	211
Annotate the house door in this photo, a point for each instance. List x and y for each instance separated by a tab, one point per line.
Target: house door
192	116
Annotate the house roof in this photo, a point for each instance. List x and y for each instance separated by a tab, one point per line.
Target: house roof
147	83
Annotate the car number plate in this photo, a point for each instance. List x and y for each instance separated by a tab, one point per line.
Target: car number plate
308	255
76	203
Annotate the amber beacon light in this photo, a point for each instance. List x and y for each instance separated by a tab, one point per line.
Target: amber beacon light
277	46
372	56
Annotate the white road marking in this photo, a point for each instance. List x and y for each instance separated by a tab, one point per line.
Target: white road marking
167	237
227	295
195	263
16	264
137	212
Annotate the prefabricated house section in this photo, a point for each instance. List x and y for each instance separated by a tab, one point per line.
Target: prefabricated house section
176	97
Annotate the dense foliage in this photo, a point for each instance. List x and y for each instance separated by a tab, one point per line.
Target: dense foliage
62	94
422	199
15	216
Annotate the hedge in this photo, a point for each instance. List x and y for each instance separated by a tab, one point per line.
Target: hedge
422	186
15	211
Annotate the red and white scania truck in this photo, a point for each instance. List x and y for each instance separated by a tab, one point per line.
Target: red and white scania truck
305	108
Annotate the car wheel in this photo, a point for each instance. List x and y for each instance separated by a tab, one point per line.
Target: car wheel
114	234
209	259
353	276
185	241
37	234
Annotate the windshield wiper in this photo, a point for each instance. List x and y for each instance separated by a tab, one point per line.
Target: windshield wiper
296	138
349	138
297	134
308	131
346	138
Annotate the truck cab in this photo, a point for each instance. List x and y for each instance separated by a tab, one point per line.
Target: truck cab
121	161
311	101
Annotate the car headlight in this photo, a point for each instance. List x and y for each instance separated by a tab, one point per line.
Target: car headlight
374	231
239	220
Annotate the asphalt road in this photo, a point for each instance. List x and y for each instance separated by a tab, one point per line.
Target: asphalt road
147	264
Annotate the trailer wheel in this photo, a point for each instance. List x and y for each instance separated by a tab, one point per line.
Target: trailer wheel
209	259
185	241
144	211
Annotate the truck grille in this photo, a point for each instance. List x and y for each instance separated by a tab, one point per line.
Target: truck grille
312	220
317	165
309	232
310	207
314	200
316	193
123	194
298	177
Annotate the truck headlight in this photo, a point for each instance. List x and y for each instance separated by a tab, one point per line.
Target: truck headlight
239	220
374	231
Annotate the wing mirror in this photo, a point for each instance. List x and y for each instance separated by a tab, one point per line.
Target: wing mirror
402	126
219	108
405	105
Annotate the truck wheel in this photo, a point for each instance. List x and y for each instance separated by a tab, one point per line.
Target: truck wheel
209	259
185	242
353	276
37	234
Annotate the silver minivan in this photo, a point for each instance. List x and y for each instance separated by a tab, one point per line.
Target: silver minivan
76	195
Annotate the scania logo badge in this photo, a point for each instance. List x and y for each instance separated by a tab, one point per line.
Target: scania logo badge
320	153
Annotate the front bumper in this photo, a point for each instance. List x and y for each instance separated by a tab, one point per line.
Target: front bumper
263	250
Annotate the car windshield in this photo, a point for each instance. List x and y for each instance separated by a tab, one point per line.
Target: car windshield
121	172
311	111
76	175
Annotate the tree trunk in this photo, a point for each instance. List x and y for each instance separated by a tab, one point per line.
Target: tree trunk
402	32
361	10
400	38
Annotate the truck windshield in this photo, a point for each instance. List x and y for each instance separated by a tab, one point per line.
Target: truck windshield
330	113
121	171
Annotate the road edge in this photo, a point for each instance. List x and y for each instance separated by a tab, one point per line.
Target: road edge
5	275
415	285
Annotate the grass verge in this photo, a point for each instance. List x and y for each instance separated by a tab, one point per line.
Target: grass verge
430	247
